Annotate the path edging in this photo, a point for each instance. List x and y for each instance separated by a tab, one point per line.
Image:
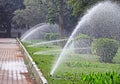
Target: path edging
40	79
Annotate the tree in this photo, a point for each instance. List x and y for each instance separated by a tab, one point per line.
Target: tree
61	17
56	9
33	14
63	12
7	7
37	10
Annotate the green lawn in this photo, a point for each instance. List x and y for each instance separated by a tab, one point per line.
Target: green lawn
76	68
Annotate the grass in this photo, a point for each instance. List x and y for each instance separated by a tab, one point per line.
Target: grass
76	69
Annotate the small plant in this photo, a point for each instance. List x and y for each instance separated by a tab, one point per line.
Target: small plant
101	78
105	48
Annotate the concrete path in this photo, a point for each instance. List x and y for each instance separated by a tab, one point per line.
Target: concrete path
12	67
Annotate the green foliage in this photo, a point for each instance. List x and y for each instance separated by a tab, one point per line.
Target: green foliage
51	36
20	17
76	5
52	11
101	78
105	48
34	13
80	6
51	16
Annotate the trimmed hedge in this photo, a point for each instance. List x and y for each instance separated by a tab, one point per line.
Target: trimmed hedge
105	48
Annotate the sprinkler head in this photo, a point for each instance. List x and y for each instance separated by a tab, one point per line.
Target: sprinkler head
51	75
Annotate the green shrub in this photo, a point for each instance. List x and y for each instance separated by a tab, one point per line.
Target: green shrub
105	48
51	36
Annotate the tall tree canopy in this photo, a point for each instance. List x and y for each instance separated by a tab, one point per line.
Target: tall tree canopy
66	13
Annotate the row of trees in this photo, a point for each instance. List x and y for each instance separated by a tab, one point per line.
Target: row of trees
27	13
63	12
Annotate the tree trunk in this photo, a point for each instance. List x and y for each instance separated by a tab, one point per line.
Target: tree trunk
8	30
61	18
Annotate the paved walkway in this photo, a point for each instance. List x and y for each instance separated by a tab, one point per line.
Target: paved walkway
12	67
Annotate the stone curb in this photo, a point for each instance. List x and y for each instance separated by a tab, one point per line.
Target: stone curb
40	79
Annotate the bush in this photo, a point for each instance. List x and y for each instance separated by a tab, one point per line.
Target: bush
51	36
105	48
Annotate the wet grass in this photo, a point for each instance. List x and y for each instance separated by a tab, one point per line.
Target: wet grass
77	69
